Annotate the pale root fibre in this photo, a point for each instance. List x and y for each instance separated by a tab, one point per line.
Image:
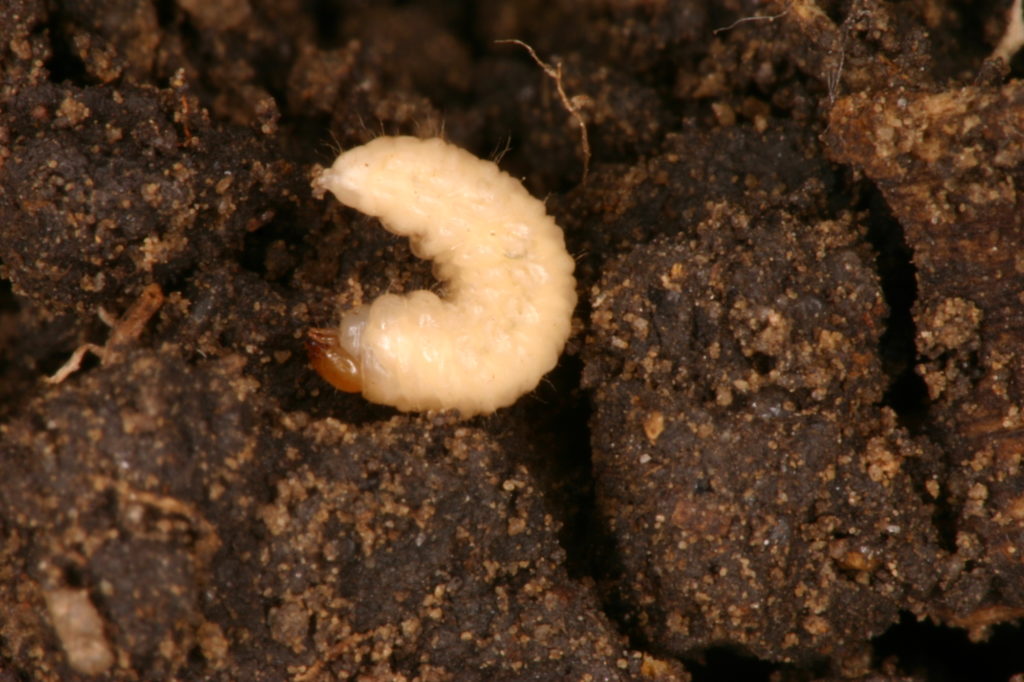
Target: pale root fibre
504	315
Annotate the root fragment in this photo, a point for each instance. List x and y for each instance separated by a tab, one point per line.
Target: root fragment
124	331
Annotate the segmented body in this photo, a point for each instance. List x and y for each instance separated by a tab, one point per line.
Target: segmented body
505	312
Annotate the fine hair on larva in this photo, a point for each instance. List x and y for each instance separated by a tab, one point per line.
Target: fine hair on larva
507	286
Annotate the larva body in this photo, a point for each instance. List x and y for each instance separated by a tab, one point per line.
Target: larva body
509	292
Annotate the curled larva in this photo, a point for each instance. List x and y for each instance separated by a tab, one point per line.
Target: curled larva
509	293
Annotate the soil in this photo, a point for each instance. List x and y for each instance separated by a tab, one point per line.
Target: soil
785	441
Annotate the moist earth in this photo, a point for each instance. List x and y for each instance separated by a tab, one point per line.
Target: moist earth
785	438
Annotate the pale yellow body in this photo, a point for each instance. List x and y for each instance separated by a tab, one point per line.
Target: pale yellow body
505	312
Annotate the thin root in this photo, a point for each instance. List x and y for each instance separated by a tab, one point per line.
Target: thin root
744	20
1013	38
74	362
572	104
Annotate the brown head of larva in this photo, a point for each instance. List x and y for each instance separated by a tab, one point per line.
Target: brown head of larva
331	361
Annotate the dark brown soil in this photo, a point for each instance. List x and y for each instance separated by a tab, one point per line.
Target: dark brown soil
786	439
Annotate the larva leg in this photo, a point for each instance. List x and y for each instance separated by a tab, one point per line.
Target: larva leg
331	361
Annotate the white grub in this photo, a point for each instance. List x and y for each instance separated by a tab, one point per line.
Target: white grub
509	293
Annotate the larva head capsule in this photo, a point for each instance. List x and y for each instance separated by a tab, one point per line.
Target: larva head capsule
338	354
332	362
